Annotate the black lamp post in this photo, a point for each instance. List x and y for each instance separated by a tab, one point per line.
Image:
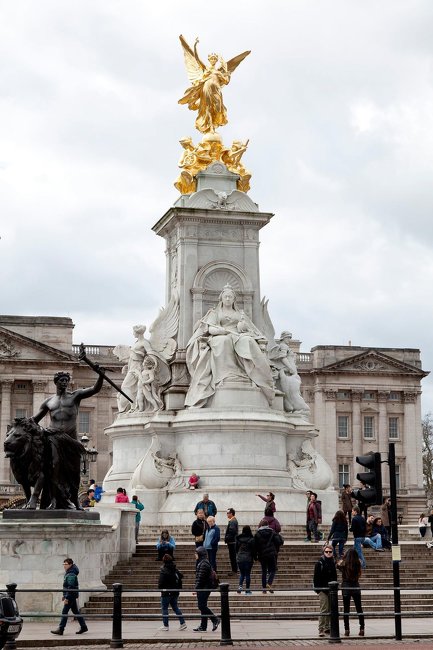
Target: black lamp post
89	455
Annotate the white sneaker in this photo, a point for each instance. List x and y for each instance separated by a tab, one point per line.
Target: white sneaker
163	628
183	626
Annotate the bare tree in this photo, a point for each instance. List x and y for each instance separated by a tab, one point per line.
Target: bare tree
427	454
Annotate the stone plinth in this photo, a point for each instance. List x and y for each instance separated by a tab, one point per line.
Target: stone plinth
34	544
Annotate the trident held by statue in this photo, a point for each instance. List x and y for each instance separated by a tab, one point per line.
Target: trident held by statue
83	357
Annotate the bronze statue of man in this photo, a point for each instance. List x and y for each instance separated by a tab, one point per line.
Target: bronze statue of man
63	450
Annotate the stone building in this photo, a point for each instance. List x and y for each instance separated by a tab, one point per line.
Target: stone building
360	398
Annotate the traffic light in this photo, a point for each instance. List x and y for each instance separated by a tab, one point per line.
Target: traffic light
372	493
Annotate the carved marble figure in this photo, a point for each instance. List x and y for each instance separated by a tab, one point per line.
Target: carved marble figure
149	388
205	95
312	468
283	363
225	344
161	347
153	471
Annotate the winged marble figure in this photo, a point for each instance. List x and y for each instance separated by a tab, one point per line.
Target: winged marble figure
283	364
146	367
205	95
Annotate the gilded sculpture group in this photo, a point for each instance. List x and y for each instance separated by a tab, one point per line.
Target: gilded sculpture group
205	96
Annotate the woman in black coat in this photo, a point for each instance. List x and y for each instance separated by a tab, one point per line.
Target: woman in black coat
324	573
170	581
338	533
350	567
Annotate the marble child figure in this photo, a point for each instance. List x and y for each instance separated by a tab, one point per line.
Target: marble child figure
225	344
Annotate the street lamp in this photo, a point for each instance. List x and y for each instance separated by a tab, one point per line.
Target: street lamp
89	455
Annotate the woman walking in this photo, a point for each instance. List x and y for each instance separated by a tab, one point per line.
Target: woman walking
203	587
324	573
245	556
350	567
170	580
338	533
422	525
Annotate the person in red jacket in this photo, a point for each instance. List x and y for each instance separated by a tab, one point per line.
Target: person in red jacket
314	517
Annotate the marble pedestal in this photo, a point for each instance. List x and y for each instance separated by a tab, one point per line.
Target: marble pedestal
238	445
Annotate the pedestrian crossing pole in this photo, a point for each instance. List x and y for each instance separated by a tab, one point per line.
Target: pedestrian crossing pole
396	556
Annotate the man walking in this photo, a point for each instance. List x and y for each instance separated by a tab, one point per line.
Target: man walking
70	597
203	586
230	539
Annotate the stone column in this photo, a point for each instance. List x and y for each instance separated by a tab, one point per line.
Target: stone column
328	447
357	440
383	435
39	393
411	441
5	419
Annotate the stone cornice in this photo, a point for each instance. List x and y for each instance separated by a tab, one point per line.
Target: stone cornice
371	362
25	340
176	216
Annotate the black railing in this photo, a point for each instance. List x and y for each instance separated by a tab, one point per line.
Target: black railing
118	616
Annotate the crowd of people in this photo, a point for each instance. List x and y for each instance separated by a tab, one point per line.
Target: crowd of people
262	546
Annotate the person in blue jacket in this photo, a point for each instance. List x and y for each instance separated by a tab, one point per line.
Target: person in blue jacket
70	597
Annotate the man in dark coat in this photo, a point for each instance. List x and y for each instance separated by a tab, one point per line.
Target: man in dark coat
70	596
232	531
324	573
203	586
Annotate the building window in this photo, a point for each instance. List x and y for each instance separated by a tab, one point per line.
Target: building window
394	395
393	428
369	395
20	413
84	422
368	426
21	386
343	394
397	477
343	475
343	426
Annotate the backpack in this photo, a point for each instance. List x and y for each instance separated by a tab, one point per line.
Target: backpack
280	539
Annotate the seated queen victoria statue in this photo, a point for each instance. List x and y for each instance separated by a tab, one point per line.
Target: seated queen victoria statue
226	345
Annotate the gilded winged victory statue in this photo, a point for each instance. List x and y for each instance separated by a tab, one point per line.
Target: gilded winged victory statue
205	95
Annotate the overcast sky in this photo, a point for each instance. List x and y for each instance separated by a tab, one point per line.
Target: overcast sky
337	100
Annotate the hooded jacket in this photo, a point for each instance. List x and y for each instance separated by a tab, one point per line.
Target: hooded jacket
245	547
203	570
266	542
70	581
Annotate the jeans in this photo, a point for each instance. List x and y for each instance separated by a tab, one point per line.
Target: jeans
356	595
374	542
358	548
167	600
71	605
245	573
269	567
312	529
341	542
202	598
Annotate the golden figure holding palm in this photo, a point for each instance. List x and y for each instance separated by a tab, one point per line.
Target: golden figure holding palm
205	95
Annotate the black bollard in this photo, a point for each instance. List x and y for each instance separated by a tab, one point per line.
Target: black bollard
116	637
333	604
12	590
226	635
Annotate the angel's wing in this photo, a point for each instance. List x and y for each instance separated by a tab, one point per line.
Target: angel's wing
266	325
122	352
194	66
234	62
164	328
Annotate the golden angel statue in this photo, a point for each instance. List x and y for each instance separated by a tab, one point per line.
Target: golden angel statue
204	95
